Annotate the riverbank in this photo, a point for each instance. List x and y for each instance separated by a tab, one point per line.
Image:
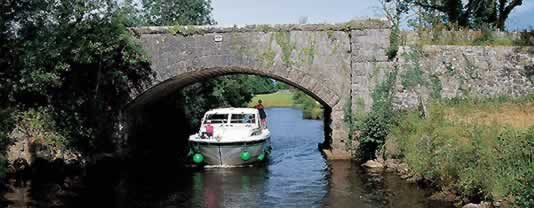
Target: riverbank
290	99
281	99
470	150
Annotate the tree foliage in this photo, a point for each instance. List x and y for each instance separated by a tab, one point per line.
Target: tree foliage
75	58
311	109
463	13
177	12
281	85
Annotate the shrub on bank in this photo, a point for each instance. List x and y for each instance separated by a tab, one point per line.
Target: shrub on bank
311	109
486	160
38	126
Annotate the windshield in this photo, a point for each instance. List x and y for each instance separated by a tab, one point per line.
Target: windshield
243	119
216	118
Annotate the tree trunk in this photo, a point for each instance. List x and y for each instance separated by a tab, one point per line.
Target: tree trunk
504	12
454	12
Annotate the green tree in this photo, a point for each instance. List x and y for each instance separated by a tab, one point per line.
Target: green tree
281	85
261	85
177	12
75	58
471	13
133	13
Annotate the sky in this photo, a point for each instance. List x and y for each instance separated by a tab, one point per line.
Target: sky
241	12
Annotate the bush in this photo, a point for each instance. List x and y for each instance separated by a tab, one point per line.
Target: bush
376	124
483	161
311	109
39	125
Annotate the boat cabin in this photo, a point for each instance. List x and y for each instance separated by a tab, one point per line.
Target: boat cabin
232	117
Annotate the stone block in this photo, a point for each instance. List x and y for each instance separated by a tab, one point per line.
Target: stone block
370	45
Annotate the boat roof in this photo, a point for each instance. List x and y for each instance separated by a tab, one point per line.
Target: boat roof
233	110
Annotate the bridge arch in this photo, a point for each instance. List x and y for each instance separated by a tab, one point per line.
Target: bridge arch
300	80
306	83
330	62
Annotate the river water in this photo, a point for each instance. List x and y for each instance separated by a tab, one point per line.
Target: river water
296	175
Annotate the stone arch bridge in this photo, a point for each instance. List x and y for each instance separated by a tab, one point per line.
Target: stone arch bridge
327	61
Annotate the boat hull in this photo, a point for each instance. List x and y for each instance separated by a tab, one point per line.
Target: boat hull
229	154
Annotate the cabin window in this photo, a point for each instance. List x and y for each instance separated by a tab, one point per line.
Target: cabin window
243	118
216	118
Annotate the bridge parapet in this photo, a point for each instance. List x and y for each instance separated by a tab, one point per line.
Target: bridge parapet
357	24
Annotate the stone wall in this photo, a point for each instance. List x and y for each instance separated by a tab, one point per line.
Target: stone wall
459	71
368	58
464	37
316	58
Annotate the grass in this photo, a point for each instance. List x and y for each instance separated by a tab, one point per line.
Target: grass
277	99
310	108
482	149
513	112
508	114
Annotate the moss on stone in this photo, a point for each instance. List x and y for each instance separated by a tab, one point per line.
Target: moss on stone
238	46
413	74
264	28
374	75
450	69
284	41
308	53
185	30
346	27
360	104
267	56
437	87
470	68
335	48
330	34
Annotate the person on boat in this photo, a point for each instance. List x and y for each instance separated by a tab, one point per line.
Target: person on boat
209	129
261	110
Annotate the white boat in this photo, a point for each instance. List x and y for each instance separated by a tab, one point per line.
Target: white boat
237	138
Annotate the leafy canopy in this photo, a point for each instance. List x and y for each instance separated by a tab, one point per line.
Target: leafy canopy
75	58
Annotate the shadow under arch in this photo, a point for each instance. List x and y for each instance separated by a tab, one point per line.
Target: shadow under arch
146	105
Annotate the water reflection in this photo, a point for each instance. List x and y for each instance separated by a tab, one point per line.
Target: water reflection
228	187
